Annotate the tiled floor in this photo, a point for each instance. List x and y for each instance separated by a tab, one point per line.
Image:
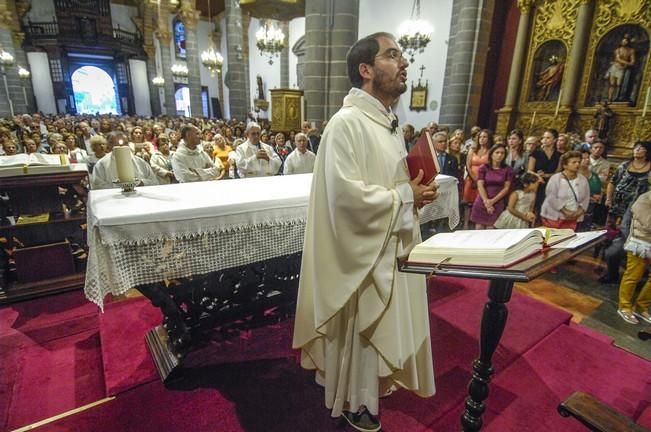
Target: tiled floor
576	289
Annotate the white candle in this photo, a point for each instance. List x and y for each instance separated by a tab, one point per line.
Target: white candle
558	102
646	101
123	163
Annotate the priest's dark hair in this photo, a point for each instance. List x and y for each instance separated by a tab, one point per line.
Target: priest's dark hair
363	51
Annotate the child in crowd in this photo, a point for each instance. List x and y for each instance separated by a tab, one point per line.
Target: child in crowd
519	211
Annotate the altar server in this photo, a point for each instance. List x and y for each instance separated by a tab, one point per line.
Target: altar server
301	160
190	162
105	172
360	323
255	158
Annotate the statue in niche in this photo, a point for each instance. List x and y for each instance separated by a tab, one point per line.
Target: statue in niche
549	78
620	70
603	117
619	60
258	80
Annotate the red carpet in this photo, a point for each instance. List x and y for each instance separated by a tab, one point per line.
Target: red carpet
541	361
127	362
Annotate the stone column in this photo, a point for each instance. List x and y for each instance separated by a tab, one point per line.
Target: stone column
164	39
284	57
11	40
506	115
576	58
217	40
246	23
150	50
190	17
330	30
466	62
236	67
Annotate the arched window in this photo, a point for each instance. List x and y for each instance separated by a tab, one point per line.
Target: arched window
179	37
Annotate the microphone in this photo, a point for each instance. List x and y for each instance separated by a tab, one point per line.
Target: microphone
394	124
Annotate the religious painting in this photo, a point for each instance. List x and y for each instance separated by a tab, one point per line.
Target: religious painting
418	101
618	66
179	37
548	68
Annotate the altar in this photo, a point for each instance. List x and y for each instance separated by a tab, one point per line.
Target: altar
173	231
213	256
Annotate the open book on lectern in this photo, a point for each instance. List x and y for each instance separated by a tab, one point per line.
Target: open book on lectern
34	163
486	248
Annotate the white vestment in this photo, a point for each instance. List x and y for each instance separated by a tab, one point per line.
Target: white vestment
161	165
248	164
362	324
105	172
299	163
194	165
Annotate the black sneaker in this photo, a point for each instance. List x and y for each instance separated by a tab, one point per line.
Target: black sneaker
363	420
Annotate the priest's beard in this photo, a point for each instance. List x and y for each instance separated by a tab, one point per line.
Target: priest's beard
385	85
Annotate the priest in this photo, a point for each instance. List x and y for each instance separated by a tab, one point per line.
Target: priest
361	324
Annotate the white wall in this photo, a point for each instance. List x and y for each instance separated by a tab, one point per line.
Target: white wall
140	87
386	15
121	16
203	43
42	82
259	65
296	30
41	11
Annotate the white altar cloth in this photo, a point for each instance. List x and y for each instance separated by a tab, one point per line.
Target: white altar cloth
174	231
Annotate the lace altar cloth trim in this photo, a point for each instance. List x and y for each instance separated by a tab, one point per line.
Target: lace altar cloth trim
446	205
117	267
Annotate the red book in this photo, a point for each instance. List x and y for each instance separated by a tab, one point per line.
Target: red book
422	156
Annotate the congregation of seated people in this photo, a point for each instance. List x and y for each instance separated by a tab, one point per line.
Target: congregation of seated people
556	180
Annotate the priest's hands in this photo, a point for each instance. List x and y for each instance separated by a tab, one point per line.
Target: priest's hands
262	154
423	194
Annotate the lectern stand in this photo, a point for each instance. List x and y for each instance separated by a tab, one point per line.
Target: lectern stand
495	313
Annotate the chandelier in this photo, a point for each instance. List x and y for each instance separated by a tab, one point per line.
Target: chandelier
6	59
23	73
414	34
270	41
158	81
179	70
211	58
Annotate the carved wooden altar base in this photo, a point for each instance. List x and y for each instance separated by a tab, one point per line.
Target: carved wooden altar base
218	305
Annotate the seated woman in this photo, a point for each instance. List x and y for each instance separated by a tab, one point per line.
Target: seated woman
75	153
567	195
161	161
493	185
629	181
221	150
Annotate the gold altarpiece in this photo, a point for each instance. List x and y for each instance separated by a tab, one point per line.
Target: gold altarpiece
286	109
565	67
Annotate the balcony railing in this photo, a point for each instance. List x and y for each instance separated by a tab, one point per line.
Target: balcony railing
51	30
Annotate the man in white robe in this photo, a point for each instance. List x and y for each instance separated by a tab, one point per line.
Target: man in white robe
359	322
105	171
255	158
301	160
190	163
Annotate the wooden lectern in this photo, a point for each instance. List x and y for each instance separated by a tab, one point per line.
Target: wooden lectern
286	109
495	313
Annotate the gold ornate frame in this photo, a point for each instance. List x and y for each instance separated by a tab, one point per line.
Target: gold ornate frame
418	99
